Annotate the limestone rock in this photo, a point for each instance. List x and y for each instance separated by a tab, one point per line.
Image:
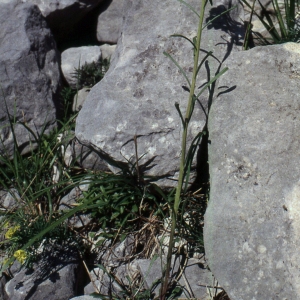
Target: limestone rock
29	73
74	58
9	199
79	99
137	94
54	277
252	224
105	285
107	51
86	157
194	280
3	281
110	22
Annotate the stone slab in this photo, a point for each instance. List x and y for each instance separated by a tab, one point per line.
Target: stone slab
252	224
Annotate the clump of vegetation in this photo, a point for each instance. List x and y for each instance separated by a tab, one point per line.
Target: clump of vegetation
281	22
35	183
90	74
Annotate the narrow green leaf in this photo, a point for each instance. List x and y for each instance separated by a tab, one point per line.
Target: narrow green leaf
181	70
190	156
269	25
211	81
203	60
184	37
179	112
277	10
290	14
114	215
134	208
36	138
190	7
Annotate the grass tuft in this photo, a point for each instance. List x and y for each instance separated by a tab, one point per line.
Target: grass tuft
281	23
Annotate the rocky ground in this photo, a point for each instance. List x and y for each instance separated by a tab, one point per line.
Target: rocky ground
129	117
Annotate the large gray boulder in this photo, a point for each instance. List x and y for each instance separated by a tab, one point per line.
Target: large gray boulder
56	276
252	224
110	21
29	73
137	94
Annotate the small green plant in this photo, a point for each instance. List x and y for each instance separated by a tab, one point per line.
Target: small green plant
67	97
282	24
121	201
36	183
186	156
90	74
118	204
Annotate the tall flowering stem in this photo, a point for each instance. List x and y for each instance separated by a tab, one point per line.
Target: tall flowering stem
188	114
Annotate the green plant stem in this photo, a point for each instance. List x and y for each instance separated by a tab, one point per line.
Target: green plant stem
188	115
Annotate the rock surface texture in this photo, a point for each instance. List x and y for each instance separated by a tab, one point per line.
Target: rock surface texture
252	224
29	72
54	277
137	95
